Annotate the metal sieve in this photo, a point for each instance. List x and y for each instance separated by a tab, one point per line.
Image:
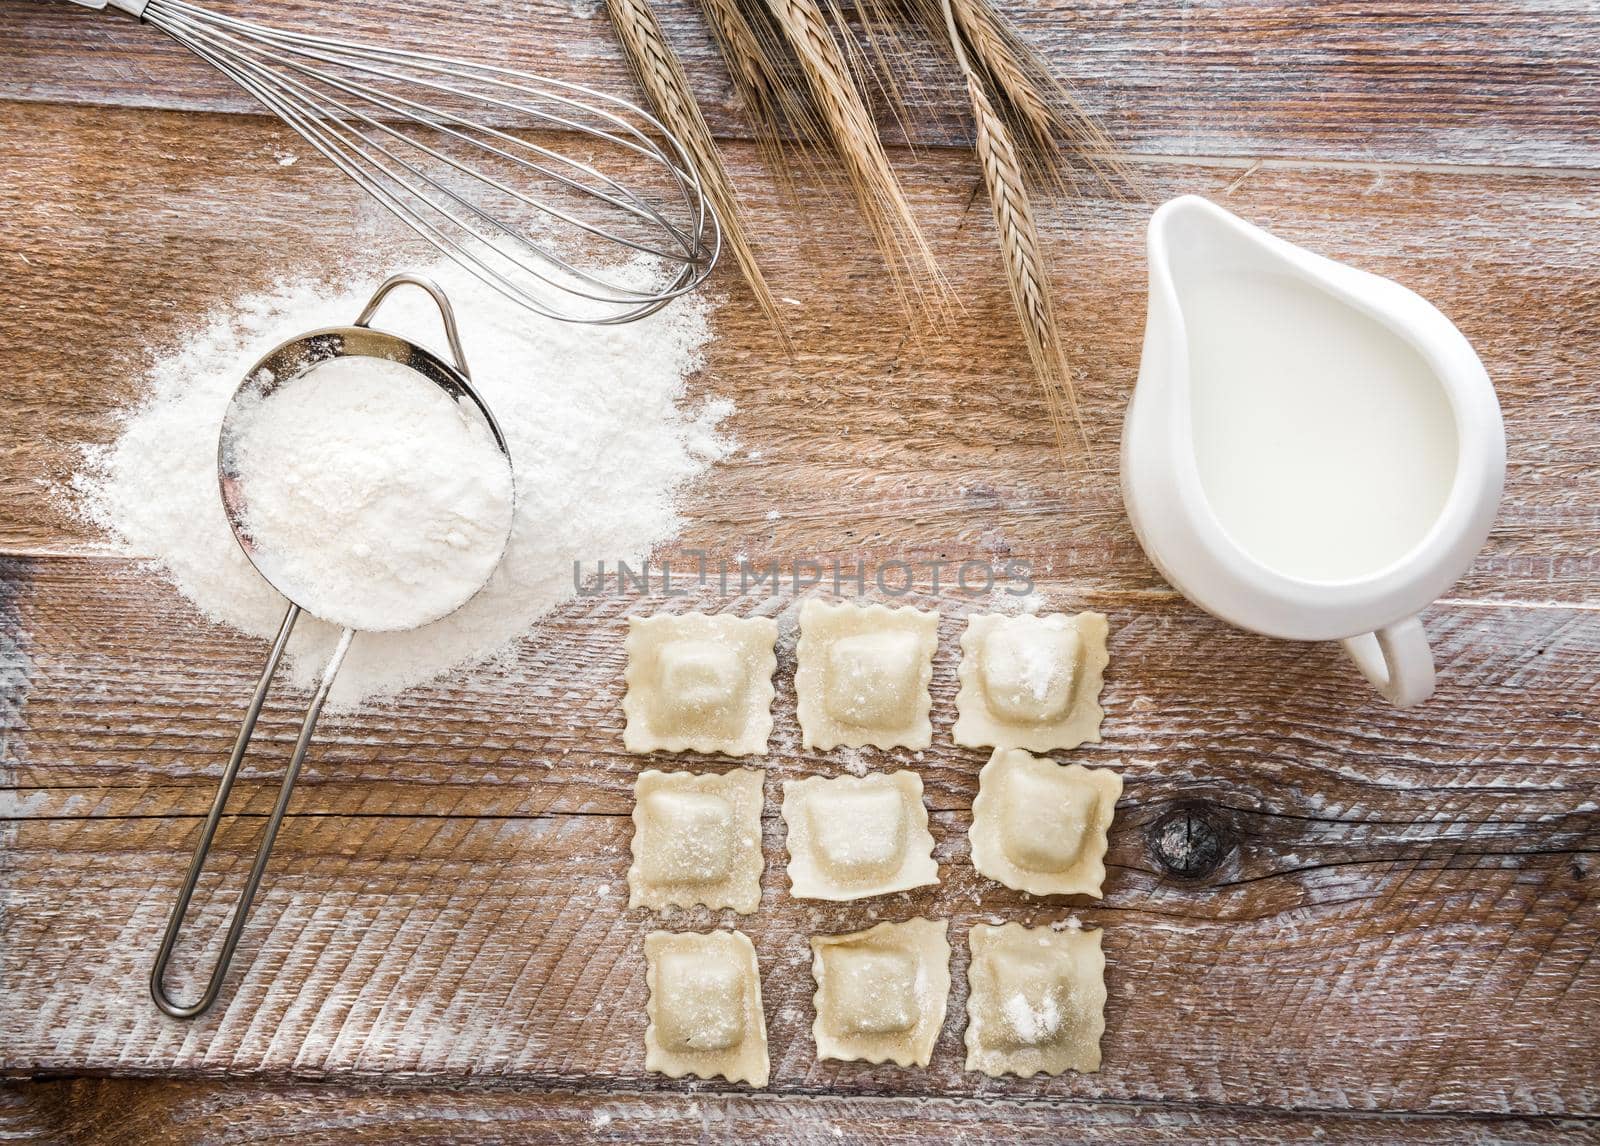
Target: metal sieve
281	365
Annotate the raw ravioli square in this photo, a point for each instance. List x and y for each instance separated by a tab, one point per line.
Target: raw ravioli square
699	683
863	675
705	1007
697	840
1031	681
851	837
1035	1000
881	993
1039	826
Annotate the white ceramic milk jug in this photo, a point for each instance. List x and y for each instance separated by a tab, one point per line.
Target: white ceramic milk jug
1312	452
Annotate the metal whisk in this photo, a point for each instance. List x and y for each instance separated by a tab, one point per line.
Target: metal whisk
445	145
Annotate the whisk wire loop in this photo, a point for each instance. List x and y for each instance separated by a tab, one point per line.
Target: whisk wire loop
438	116
323	130
435	141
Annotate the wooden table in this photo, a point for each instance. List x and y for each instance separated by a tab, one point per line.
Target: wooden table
1395	939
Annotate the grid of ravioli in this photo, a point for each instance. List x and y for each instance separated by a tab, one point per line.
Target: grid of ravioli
1035	995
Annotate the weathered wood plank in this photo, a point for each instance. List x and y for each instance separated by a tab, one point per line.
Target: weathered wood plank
891	442
1507	82
122	687
1381	875
88	1111
498	948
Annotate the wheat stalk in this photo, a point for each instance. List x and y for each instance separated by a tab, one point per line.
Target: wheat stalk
752	48
873	63
854	138
663	79
1019	241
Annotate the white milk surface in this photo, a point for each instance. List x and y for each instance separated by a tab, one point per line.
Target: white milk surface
1326	446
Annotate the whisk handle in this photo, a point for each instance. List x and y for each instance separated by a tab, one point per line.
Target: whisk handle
134	8
241	909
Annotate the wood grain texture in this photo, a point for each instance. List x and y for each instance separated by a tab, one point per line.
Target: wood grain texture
1398	898
488	947
947	449
126	696
1386	927
89	1111
1494	82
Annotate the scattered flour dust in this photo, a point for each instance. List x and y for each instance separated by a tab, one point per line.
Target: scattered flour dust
600	438
1033	1022
854	761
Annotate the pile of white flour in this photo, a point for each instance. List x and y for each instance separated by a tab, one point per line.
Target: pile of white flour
600	439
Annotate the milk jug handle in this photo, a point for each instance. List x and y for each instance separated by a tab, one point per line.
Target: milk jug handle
1397	660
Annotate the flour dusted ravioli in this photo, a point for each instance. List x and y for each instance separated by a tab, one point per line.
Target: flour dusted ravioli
705	1007
1039	826
699	683
853	837
1035	1000
881	993
697	840
1031	681
863	675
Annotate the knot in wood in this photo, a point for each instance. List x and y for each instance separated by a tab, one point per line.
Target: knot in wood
1190	841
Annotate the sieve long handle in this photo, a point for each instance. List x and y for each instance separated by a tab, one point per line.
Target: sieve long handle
241	909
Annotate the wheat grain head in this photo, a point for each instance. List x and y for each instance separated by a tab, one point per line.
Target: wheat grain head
759	66
1042	107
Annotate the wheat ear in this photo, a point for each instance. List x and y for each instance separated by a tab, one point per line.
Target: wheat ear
1042	106
663	79
1019	243
875	54
854	137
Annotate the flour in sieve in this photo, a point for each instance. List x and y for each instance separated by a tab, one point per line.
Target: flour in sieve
372	497
601	437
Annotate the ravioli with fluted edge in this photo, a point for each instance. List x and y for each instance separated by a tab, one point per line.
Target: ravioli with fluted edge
697	840
862	675
851	837
705	1007
1039	826
881	993
1031	681
1036	1000
699	683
